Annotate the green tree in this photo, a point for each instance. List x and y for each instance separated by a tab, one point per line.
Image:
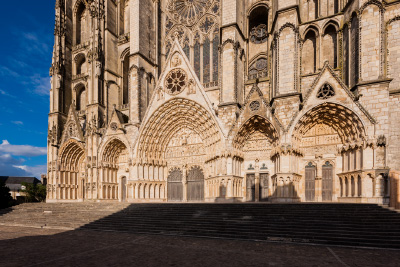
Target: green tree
5	196
34	192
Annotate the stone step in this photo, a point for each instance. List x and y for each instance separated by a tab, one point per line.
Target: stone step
328	224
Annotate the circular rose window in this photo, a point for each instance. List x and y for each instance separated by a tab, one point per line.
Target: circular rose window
175	82
254	106
188	11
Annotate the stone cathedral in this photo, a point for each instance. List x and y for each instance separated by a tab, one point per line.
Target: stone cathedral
224	101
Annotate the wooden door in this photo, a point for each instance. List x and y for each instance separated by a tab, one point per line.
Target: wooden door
264	186
175	188
327	181
250	187
310	182
195	184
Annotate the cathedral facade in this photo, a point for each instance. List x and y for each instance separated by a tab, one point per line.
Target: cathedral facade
224	100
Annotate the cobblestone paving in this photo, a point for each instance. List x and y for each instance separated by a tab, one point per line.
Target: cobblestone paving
24	246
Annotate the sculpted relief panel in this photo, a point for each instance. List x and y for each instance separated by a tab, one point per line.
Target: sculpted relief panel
320	139
186	147
257	147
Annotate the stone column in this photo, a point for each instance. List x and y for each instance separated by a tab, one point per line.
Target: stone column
184	184
257	186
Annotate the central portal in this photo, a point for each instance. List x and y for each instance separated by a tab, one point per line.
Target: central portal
185	157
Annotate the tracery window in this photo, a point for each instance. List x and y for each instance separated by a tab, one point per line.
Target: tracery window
258	69
196	25
186	48
258	29
197	57
258	35
215	55
254	106
175	82
188	12
325	92
206	61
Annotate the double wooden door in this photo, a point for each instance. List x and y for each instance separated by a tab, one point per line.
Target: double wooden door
175	187
327	181
310	182
195	184
250	187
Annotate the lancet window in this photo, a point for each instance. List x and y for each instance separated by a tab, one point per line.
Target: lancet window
314	9
258	25
124	17
258	69
196	25
80	24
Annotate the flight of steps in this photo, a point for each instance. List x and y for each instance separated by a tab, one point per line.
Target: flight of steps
365	225
58	215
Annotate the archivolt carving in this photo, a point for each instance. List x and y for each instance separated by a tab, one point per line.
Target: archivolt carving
112	150
170	118
343	120
70	154
255	124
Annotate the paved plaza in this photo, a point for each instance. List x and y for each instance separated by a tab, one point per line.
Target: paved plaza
27	246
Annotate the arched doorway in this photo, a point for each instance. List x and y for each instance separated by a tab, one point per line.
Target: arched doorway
179	133
113	164
71	175
256	138
327	181
324	134
310	182
175	186
195	184
250	187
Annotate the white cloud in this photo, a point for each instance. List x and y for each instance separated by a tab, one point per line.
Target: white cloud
35	171
18	122
2	92
7	166
41	85
22	150
4	71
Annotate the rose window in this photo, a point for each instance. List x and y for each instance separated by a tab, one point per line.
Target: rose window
188	11
175	82
326	92
254	106
258	35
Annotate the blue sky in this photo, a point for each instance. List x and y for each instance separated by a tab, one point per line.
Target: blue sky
25	57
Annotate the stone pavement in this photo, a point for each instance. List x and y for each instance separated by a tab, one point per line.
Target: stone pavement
26	246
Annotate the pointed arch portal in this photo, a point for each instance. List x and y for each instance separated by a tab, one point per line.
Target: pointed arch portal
71	174
344	121
113	159
179	132
174	115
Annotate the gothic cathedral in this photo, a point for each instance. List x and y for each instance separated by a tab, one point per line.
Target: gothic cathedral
224	101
